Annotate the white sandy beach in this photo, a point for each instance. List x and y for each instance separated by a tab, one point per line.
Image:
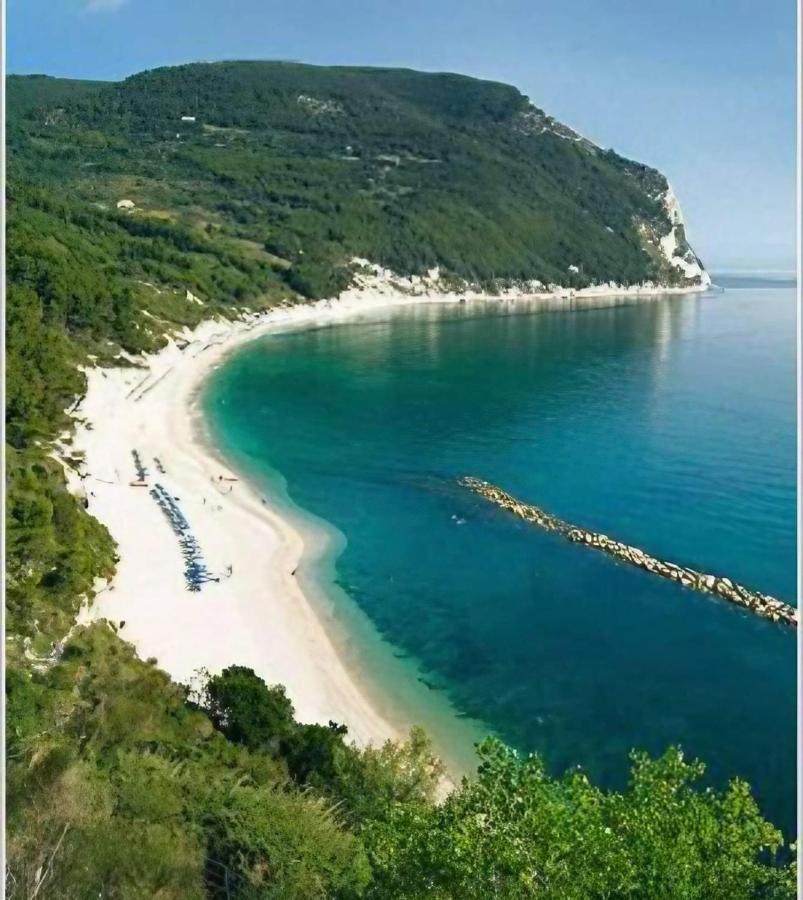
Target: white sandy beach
258	617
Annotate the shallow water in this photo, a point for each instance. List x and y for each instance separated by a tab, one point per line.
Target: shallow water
668	424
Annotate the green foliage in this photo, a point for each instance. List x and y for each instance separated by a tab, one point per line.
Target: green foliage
249	712
119	782
281	844
54	549
101	744
127	791
366	783
92	271
41	377
319	165
515	831
378	780
246	710
35	93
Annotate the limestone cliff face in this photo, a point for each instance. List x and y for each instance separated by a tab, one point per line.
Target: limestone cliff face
664	239
676	249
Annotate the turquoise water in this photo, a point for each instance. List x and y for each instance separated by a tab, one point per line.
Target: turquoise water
669	424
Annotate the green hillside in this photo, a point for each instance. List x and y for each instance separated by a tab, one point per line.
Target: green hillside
26	93
314	166
122	784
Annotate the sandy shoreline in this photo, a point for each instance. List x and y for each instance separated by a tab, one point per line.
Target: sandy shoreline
258	616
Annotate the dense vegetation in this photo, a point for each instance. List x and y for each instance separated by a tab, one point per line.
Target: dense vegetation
307	167
123	784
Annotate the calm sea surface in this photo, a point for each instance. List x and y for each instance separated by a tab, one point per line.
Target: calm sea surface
668	424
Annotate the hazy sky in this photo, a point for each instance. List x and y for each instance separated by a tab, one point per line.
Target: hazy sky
702	89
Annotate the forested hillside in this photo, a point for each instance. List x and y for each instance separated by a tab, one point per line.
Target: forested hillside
306	167
123	784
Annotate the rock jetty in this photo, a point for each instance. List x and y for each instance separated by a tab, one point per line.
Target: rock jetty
758	603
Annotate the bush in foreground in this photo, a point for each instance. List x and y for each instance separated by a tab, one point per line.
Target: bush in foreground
119	786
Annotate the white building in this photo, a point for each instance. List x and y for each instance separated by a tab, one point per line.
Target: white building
125	204
188	118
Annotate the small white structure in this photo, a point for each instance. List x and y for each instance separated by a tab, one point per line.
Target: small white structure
574	269
188	118
125	204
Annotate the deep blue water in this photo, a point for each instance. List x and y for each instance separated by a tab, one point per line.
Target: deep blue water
668	424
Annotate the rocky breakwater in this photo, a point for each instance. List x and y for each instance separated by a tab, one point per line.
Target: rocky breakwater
758	603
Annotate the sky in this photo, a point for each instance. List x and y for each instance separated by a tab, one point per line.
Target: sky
703	90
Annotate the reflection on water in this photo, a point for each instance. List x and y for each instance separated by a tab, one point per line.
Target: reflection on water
668	423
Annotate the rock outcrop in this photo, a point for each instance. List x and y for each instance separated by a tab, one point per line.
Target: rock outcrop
758	603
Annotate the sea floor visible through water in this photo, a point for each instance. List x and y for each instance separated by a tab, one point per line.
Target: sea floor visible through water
667	423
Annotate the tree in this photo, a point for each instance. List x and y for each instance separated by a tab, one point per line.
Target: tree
515	832
374	781
246	710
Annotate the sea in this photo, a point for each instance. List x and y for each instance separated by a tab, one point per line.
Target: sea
666	423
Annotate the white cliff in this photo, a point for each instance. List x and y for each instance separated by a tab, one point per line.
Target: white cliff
674	246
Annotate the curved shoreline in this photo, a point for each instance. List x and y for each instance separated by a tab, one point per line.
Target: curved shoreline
261	616
388	688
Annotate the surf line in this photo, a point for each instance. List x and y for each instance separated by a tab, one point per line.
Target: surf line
758	603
